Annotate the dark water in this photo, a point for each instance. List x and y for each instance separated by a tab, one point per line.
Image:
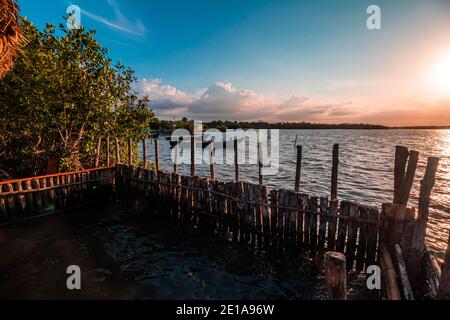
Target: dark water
366	168
125	256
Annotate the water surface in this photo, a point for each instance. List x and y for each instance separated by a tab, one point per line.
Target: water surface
366	170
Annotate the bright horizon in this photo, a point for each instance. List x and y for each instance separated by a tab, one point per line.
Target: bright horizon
289	61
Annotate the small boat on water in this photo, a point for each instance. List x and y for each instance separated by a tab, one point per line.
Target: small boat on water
174	141
152	134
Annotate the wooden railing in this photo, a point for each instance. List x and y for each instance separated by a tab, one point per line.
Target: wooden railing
35	196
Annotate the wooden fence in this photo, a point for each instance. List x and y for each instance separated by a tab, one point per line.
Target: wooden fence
27	198
280	218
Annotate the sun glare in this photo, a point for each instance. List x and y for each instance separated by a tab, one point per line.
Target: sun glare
440	75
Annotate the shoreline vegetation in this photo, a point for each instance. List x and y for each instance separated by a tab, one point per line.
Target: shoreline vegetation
167	126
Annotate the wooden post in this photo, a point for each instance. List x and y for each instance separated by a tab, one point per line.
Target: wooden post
298	171
392	290
97	158
144	152
156	154
409	177
444	282
108	157
399	219
117	151
401	157
236	164
193	171
175	164
334	172
130	152
406	286
432	272
418	243
212	161
260	165
336	275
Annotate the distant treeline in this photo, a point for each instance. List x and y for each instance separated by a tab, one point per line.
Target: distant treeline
167	126
289	125
184	123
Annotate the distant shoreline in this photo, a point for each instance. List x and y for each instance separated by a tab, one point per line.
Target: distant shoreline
168	126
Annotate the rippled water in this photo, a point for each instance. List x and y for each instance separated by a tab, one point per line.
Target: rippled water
366	170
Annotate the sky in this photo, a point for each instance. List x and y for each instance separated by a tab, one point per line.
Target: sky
288	60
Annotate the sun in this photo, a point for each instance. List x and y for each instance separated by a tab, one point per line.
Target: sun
440	75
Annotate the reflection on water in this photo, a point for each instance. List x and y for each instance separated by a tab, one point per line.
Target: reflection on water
366	168
174	262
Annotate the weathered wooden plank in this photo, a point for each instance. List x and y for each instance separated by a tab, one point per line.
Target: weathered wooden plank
406	286
392	290
362	239
302	200
352	232
342	229
20	198
307	224
332	226
372	236
281	215
28	198
293	203
37	195
265	211
240	206
273	214
313	208
323	223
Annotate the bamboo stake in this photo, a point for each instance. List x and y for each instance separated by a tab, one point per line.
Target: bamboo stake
236	164
130	152
97	158
193	169
298	169
157	154
144	152
117	151
108	157
334	172
175	164
260	165
212	161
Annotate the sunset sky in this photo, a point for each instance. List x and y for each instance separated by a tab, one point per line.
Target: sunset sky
277	60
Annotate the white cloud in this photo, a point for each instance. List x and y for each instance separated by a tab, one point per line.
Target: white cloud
120	23
223	98
226	102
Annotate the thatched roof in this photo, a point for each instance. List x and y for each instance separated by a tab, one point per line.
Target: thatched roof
10	35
